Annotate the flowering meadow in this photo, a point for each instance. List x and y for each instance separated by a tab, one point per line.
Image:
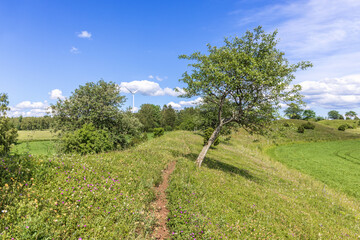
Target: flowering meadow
104	196
239	193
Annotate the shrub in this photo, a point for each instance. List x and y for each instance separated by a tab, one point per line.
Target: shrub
87	140
286	124
308	125
158	132
349	126
168	128
207	134
301	129
342	127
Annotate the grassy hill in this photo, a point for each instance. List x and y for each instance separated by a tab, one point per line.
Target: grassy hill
336	123
239	193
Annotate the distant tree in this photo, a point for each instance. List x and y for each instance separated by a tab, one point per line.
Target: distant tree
248	72
293	111
150	116
309	114
168	116
333	114
8	133
319	118
351	114
189	119
97	104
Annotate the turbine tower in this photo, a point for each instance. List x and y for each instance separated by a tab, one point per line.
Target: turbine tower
133	94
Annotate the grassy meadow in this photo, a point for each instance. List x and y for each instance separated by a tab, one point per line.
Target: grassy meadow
36	135
336	123
239	192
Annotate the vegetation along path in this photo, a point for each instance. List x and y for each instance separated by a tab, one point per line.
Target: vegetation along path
161	231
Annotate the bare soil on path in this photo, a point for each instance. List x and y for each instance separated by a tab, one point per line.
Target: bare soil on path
161	231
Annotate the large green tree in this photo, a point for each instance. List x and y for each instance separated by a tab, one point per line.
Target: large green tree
168	116
8	133
293	111
333	114
97	104
250	73
150	116
351	114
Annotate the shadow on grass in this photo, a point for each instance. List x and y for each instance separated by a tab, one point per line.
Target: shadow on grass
215	164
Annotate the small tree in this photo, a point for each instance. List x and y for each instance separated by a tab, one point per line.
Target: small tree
293	111
8	133
309	114
334	115
250	74
351	114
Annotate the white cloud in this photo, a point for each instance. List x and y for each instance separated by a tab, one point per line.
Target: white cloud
74	50
151	77
174	105
331	93
190	103
84	34
28	104
149	88
56	94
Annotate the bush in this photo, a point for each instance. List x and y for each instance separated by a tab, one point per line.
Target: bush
349	126
308	125
168	128
301	129
138	139
207	134
286	124
87	140
342	127
158	132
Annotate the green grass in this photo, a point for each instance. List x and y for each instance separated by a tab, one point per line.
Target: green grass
336	123
239	193
35	135
35	148
335	163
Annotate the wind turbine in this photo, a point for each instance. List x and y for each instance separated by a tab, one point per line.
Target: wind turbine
133	94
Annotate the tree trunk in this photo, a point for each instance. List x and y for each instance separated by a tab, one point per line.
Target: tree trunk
206	148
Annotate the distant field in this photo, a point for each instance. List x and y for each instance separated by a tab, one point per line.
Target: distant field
335	163
35	135
336	123
45	147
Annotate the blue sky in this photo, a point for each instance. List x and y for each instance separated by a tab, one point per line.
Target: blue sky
49	48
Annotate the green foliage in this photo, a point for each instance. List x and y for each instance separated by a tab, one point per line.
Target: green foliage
351	114
301	129
207	134
32	123
342	127
333	114
139	139
293	111
8	133
97	104
241	72
286	124
308	125
149	116
168	128
87	140
308	114
158	132
168	117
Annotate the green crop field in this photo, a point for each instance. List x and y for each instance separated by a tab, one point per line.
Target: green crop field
239	193
335	163
35	135
44	147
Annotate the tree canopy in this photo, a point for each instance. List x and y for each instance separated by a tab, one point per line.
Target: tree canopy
333	114
293	111
8	133
250	74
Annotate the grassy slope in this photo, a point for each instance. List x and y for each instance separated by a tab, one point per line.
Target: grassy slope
105	196
241	193
336	123
335	163
238	193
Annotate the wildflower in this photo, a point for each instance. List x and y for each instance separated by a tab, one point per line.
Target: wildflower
4	211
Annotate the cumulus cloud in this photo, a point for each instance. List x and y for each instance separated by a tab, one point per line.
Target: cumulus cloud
33	105
190	103
56	94
149	88
84	34
331	93
74	50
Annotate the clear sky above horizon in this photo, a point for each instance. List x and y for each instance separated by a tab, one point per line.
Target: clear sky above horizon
49	48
